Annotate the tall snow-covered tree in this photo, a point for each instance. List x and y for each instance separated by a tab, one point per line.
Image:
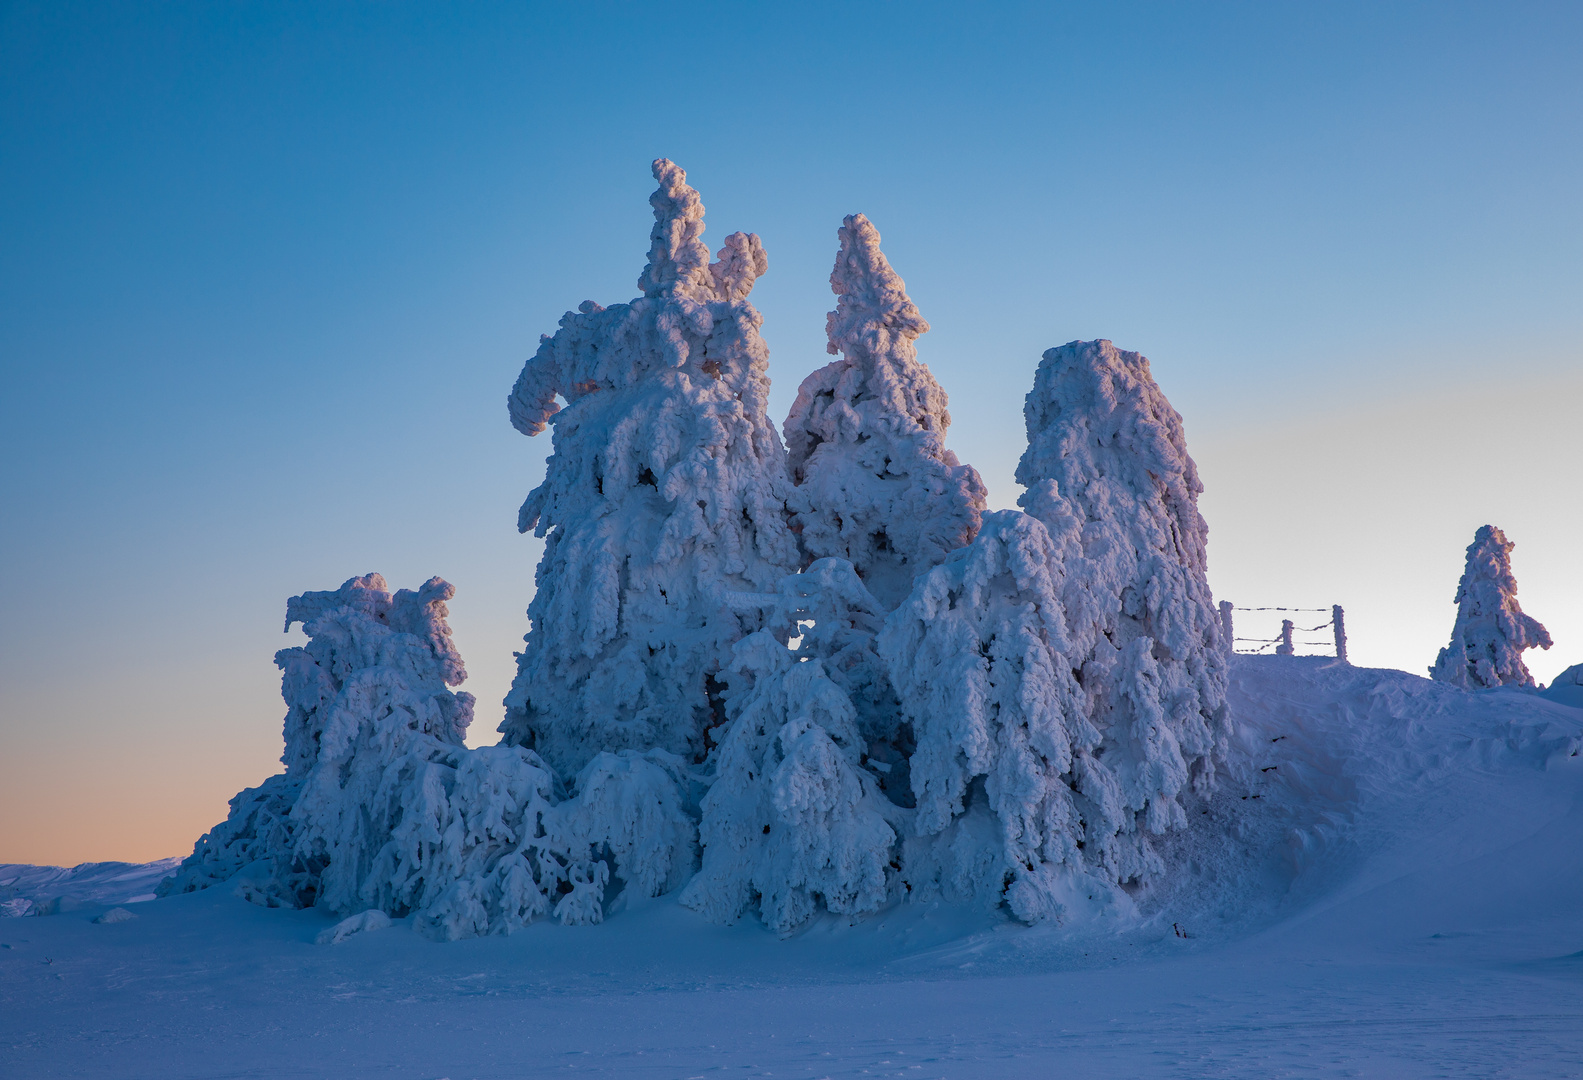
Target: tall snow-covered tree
1107	471
382	806
1491	631
369	655
663	502
1067	666
865	439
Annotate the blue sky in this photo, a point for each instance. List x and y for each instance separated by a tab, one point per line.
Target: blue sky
267	272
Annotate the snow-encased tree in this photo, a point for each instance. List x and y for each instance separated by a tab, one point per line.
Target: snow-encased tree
1064	673
1107	471
1013	805
1491	632
796	816
866	436
369	654
383	807
663	503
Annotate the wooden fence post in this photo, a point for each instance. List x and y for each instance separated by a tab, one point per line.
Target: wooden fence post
1339	620
1285	647
1225	626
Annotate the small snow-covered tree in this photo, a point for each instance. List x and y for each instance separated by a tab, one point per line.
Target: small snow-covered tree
369	654
1491	631
1013	802
866	436
382	806
792	819
664	499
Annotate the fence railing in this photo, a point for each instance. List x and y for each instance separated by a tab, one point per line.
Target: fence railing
1286	643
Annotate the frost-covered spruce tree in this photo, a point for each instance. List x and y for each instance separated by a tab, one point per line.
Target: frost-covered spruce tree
663	502
796	816
382	806
1491	631
1080	700
1013	804
1107	471
368	653
866	436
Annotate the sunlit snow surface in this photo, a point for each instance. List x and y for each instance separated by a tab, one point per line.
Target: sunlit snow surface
1403	898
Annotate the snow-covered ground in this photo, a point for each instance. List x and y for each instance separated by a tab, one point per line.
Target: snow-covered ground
1390	884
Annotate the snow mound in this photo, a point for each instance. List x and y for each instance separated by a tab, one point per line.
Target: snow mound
1338	777
1491	632
115	915
24	889
372	919
663	501
1567	687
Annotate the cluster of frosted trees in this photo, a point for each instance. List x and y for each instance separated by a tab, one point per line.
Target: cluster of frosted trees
782	677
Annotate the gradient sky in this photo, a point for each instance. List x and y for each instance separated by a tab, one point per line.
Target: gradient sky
267	273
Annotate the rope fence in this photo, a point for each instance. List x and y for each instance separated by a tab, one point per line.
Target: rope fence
1286	643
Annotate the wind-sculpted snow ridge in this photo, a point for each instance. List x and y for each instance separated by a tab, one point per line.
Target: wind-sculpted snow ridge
797	815
28	890
383	807
1491	631
866	436
663	503
1014	804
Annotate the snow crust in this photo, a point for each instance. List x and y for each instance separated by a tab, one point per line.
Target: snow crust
1491	632
665	497
363	922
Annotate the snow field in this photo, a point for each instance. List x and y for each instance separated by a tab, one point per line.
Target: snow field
1404	898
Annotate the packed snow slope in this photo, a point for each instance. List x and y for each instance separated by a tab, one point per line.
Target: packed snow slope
1389	883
